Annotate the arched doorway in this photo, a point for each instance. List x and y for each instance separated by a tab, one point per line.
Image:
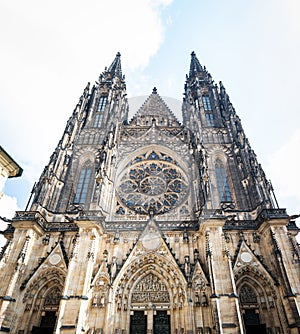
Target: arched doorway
151	294
250	310
48	312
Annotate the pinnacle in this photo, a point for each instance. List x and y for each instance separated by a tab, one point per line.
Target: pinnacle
195	66
115	67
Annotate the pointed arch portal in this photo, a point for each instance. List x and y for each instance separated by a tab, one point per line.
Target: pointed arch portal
149	292
254	295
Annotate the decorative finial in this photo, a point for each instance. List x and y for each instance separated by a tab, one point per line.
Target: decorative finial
118	54
154	90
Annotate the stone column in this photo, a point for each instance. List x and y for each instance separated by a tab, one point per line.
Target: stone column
72	312
12	267
225	307
283	250
150	316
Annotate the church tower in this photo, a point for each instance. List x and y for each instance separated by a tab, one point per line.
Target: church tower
151	225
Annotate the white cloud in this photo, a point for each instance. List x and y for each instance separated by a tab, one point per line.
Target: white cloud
61	29
49	50
283	168
8	206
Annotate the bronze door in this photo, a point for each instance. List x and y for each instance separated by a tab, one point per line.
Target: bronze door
252	323
161	323
138	323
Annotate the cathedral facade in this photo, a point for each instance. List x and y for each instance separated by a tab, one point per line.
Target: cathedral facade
152	225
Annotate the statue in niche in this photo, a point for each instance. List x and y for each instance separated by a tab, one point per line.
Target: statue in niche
197	299
100	294
113	269
95	301
204	301
187	266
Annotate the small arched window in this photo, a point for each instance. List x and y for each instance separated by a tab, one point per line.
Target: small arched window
83	184
222	182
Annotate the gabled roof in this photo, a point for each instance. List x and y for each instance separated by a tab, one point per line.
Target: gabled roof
155	107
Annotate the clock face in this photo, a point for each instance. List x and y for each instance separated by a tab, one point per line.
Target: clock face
153	182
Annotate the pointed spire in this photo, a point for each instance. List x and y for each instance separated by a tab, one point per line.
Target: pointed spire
115	67
195	66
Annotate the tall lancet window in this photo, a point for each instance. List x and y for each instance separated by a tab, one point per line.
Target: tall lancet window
98	120
102	103
99	112
222	182
83	183
210	120
206	103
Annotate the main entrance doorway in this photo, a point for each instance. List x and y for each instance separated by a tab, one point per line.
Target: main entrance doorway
139	322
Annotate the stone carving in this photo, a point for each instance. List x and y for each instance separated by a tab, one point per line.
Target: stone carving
247	295
53	297
150	289
100	294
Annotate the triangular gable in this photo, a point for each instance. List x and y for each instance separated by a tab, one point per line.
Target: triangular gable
53	263
150	260
199	279
100	287
246	260
150	245
102	273
200	285
155	107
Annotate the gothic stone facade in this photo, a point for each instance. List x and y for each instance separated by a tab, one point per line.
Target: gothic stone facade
152	225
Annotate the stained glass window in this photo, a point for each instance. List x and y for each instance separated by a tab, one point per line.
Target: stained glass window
102	103
98	120
210	120
153	182
206	103
83	185
222	182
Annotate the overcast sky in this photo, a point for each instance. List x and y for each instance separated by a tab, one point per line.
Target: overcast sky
51	49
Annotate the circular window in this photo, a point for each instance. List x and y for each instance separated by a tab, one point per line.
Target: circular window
152	183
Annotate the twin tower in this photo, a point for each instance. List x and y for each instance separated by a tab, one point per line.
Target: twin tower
151	225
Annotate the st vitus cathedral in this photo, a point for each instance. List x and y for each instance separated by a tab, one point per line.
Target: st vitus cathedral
152	225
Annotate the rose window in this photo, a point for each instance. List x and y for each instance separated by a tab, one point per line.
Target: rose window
152	183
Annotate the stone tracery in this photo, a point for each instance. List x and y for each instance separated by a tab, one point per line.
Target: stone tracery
153	182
